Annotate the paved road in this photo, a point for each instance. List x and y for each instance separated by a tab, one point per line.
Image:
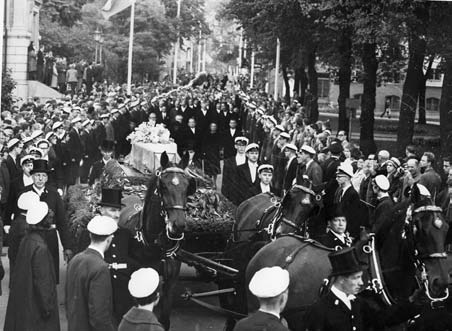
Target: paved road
186	316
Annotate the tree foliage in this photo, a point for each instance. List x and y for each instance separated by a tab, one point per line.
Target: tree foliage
8	85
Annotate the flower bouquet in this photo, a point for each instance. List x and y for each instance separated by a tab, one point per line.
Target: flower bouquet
148	133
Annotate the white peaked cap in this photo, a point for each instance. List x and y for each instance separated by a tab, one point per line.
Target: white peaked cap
346	168
308	149
37	212
102	225
269	282
27	200
382	182
143	282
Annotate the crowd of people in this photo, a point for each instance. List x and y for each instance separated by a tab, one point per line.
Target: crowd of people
265	146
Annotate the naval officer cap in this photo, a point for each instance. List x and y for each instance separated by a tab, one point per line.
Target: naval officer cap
382	182
252	146
102	225
143	282
269	282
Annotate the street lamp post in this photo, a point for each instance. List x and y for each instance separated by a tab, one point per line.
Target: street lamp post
101	43
97	36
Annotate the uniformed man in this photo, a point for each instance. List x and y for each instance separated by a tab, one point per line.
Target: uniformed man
383	209
144	287
341	310
336	236
247	172
271	287
265	173
230	185
88	285
119	255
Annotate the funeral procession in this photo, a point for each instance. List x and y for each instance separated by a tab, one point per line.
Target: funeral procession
226	165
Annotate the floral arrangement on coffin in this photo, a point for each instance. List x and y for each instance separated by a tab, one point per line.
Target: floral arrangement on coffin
148	133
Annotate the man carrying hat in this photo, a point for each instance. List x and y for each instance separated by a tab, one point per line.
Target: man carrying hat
247	172
309	167
230	185
341	310
56	209
290	152
271	287
32	302
144	287
383	210
88	285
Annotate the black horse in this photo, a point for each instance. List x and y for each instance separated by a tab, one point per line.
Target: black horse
159	227
408	255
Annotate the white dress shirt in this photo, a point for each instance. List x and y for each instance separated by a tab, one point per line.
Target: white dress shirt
253	170
240	159
39	191
28	180
265	188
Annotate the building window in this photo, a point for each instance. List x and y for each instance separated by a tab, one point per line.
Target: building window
323	86
393	102
432	104
434	74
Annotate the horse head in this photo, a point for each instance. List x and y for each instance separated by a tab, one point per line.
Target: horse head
296	207
429	230
170	187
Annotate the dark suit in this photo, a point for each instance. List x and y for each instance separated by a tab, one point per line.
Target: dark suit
382	217
89	293
257	189
260	321
353	210
245	181
164	118
193	138
76	148
331	314
290	174
202	121
186	113
229	143
230	185
13	166
16	187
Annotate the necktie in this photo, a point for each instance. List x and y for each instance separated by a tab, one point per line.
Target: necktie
338	196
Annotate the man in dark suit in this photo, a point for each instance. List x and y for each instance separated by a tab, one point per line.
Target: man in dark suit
430	178
271	287
290	151
230	187
229	136
88	285
265	172
76	148
201	116
341	310
192	135
247	172
348	200
278	160
383	209
163	117
106	149
56	208
56	175
336	236
329	172
186	112
309	167
12	162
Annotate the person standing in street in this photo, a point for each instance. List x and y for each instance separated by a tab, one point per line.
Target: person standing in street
144	287
32	303
71	79
89	305
271	287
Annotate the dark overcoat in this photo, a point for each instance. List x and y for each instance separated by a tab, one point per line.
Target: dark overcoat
88	293
32	302
138	319
230	185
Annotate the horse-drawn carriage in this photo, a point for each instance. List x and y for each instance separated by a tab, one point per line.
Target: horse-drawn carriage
268	231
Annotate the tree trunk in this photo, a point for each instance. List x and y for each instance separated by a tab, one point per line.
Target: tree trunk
345	72
313	88
422	89
370	65
303	85
410	94
286	84
445	115
296	85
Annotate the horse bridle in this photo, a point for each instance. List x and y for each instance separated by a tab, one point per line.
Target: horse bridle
280	218
165	209
421	270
